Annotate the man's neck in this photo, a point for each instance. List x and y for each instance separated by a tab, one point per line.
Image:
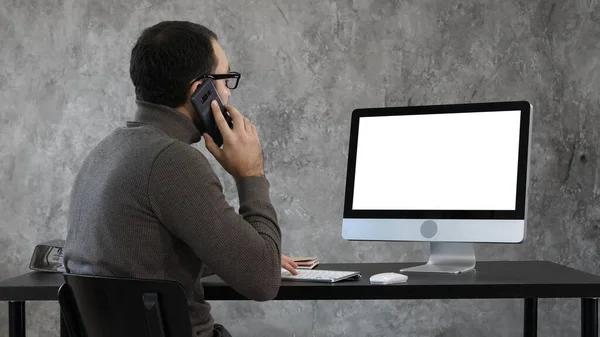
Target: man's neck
185	110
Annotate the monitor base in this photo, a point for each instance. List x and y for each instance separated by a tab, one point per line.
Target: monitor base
447	257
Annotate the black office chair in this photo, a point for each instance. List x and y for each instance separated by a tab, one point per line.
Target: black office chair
94	306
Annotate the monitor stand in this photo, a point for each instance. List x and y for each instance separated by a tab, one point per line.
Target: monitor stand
447	257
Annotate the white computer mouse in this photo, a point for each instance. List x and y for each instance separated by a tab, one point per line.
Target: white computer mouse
388	278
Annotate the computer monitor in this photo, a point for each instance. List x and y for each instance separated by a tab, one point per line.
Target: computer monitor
451	175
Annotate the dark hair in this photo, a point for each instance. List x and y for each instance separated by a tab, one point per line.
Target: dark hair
167	57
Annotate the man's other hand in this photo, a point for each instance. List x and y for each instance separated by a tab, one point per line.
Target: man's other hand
289	264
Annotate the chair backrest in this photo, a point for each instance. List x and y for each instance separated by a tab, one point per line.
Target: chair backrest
95	306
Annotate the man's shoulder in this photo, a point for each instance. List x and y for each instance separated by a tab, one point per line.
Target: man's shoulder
182	167
127	148
180	153
136	139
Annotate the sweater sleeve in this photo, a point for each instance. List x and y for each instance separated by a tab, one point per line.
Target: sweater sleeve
243	249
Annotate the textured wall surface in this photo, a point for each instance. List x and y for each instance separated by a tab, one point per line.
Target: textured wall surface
306	65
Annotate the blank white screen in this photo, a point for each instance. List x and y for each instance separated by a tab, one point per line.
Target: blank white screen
453	161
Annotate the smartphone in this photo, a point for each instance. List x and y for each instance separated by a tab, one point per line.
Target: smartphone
201	99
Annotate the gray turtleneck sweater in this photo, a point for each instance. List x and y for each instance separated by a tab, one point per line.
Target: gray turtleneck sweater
146	204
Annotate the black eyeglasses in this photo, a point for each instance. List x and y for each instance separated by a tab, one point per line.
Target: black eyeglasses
232	79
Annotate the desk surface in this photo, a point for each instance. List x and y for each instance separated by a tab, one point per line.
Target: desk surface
498	279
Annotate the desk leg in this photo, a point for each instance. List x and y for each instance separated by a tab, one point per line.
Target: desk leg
16	319
530	317
589	317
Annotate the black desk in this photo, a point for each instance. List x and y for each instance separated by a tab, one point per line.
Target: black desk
529	280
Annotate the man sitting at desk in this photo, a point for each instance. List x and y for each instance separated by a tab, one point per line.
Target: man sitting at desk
146	204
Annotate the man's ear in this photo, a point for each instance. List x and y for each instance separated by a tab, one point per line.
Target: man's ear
193	88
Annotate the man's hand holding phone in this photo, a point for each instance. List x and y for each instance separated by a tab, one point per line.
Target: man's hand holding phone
242	154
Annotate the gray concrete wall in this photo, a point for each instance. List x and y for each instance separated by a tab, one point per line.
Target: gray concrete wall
307	64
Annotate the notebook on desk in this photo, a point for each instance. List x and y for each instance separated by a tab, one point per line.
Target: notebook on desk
306	262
